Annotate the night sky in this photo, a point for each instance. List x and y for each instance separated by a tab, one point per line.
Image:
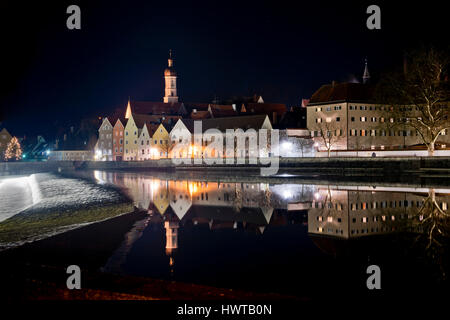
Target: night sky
53	76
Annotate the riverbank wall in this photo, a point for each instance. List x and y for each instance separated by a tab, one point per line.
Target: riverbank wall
422	166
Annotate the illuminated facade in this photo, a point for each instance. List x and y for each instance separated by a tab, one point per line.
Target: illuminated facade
345	113
170	78
104	149
118	140
160	142
356	213
131	132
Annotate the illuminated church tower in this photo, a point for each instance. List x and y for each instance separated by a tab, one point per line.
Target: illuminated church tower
170	77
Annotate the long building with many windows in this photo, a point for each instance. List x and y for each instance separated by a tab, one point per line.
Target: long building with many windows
346	115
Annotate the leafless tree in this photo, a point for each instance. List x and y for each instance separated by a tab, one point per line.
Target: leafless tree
305	144
328	135
420	94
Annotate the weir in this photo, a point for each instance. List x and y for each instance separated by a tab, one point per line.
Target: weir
17	194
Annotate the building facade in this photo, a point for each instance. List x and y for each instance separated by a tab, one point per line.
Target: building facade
347	117
71	155
161	142
104	149
144	143
131	133
118	140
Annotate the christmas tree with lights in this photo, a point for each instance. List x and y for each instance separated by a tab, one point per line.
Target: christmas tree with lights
13	150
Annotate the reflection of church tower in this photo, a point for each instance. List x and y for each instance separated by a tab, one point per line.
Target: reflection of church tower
170	77
171	226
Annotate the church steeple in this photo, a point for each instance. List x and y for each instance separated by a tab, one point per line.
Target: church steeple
366	75
170	77
128	111
170	61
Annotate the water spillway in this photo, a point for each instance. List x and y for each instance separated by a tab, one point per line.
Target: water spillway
40	205
18	194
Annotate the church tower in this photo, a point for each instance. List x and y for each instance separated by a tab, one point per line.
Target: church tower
366	75
170	77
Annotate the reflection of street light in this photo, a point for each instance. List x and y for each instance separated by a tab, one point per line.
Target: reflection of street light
317	195
47	152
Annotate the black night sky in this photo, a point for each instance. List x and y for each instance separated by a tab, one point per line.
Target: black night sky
284	51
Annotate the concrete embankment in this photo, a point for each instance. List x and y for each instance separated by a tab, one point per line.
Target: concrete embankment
425	167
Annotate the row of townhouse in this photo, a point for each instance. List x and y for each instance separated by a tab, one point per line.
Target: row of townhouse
141	137
150	130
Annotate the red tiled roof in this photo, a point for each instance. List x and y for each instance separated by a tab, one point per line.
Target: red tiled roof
200	115
191	106
343	92
218	111
238	122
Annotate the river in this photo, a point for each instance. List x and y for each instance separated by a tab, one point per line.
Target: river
292	239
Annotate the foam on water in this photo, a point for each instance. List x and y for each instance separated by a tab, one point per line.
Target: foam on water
16	195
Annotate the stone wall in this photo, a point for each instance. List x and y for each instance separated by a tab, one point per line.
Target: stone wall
395	165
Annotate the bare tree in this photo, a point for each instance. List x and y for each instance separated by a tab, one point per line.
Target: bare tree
328	133
305	144
166	147
420	94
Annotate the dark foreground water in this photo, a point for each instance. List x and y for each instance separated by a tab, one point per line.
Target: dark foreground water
306	240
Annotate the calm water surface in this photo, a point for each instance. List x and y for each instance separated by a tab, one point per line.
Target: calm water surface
296	239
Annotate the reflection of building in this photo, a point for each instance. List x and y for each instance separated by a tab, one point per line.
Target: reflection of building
171	227
355	213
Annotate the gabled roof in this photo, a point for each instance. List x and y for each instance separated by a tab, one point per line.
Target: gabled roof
343	92
191	106
167	120
266	108
218	110
238	122
106	119
122	120
141	119
204	114
151	128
